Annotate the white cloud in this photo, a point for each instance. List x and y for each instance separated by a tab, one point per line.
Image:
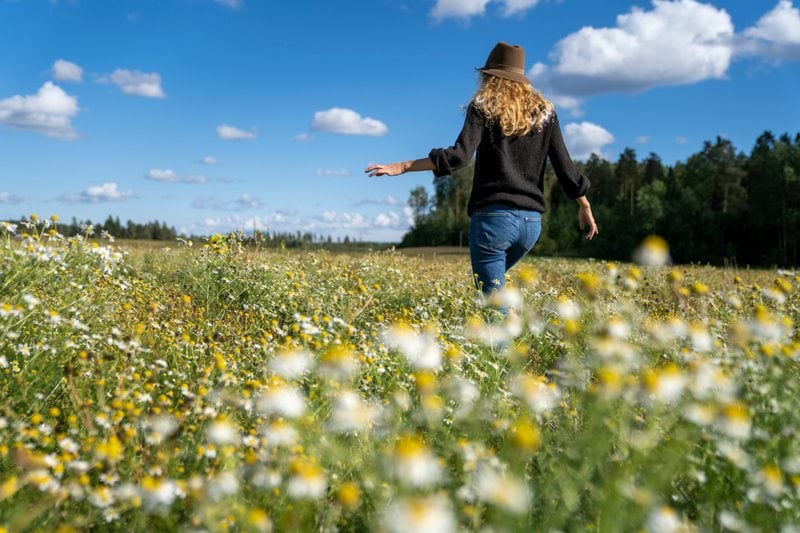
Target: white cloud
676	42
465	9
7	198
63	70
347	122
327	172
136	83
584	138
248	201
207	202
280	220
388	200
681	140
459	8
384	226
334	219
210	160
642	139
389	220
242	203
344	221
781	25
776	34
394	220
303	137
233	4
49	111
170	176
158	174
260	223
105	192
224	131
512	7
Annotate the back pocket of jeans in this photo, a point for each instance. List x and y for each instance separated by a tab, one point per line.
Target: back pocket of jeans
492	230
533	229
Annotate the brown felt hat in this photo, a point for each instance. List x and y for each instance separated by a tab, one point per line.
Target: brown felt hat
506	61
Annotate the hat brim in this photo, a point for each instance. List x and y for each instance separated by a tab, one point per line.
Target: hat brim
514	76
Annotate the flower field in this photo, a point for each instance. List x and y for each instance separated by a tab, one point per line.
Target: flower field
215	387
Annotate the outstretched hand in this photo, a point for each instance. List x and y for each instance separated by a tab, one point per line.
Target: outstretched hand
585	218
392	169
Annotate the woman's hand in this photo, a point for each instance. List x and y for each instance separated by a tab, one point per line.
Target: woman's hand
585	218
392	169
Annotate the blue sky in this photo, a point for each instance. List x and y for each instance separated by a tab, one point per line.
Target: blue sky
217	114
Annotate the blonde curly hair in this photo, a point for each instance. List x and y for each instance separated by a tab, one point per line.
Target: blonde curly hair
517	107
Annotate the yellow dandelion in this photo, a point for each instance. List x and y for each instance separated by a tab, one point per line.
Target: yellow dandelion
527	275
610	380
8	487
111	449
735	420
699	288
590	283
525	436
425	380
258	519
783	285
349	495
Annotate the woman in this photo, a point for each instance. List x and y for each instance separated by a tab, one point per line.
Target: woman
514	129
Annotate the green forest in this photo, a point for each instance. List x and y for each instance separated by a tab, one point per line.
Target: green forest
719	206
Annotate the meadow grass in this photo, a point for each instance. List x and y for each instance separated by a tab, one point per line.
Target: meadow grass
214	387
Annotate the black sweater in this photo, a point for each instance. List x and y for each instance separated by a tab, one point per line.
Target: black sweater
510	170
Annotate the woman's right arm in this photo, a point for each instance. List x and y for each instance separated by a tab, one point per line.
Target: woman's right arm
442	161
448	160
395	169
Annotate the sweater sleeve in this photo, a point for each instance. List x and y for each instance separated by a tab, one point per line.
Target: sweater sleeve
450	159
573	182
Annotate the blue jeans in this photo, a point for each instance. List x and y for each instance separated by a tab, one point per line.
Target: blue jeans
499	236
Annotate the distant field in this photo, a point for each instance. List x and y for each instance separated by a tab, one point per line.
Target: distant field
217	389
423	251
435	250
136	244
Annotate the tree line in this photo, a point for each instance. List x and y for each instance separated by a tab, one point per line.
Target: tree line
719	206
307	240
159	231
154	230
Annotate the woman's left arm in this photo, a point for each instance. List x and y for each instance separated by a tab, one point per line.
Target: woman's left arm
573	182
